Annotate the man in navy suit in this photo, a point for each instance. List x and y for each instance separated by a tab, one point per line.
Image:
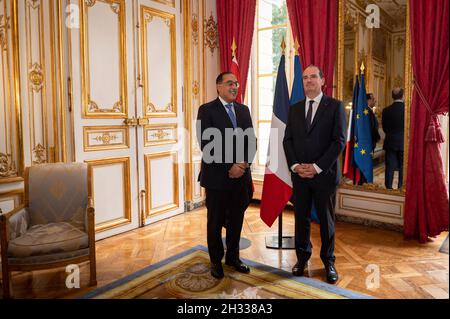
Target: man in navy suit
314	138
393	122
228	141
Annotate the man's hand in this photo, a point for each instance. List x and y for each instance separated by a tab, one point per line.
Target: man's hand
237	170
305	170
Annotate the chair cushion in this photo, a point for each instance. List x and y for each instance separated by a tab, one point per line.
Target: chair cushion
48	239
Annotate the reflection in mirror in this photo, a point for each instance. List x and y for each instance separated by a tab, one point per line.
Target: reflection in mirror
383	52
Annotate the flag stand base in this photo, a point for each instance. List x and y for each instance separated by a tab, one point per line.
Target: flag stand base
287	242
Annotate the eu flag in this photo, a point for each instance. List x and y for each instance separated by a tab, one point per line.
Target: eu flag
363	135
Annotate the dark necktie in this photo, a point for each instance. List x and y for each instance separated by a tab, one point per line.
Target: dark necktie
231	114
309	115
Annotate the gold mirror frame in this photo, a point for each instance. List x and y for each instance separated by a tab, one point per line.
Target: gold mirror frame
408	94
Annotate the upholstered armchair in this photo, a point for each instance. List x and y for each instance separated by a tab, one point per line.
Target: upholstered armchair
55	225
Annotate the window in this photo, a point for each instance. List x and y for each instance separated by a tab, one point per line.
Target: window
272	26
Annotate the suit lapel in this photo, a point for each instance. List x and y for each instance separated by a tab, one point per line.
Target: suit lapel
303	114
239	115
320	110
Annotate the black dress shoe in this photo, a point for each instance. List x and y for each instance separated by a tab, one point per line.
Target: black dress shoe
299	268
239	266
332	275
217	270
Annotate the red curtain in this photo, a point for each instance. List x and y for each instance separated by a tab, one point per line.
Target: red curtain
314	24
236	18
427	199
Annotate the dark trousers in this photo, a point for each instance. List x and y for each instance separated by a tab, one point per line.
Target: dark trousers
307	192
394	161
225	208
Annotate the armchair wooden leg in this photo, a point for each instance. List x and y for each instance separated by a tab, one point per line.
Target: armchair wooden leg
93	271
6	283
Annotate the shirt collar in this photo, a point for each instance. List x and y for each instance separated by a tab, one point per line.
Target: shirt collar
400	100
224	102
316	99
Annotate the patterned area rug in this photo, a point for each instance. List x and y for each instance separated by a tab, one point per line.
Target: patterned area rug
186	276
444	246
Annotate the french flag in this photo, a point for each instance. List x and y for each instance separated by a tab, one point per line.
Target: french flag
277	187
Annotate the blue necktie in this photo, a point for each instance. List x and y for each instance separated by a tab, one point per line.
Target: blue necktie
231	114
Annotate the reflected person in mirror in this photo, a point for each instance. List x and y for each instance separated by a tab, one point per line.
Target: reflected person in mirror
393	122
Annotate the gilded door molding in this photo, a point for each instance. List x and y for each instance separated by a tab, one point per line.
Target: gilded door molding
92	108
152	78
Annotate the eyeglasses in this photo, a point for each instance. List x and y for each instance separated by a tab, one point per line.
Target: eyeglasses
231	83
312	76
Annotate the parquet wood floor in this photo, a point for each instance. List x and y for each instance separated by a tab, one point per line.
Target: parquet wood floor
407	269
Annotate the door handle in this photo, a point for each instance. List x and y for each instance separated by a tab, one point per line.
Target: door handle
131	121
143	197
142	121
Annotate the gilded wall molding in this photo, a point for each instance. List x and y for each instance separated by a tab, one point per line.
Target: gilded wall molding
194	26
102	138
39	154
160	134
211	35
170	3
152	210
126	190
7	166
91	108
152	109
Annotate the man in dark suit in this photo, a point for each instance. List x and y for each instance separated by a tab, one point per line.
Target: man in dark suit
371	102
393	122
314	138
228	141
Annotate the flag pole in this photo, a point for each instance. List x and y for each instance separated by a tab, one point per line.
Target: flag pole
280	241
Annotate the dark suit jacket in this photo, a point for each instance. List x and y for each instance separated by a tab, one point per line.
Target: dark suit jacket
374	129
214	175
393	122
322	144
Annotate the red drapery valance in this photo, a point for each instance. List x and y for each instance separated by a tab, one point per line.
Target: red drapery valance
314	24
426	204
236	18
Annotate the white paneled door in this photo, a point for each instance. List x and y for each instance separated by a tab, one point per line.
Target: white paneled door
127	109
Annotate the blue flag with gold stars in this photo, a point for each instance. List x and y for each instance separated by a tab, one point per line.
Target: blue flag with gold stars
363	135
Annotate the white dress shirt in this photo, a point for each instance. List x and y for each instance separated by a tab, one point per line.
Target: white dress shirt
315	106
225	103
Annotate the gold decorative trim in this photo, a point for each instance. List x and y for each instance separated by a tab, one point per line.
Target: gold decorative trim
39	153
36	77
194	26
408	93
151	110
188	62
368	210
170	3
90	107
4	26
16	81
61	79
196	89
373	188
7	166
211	35
153	211
160	134
107	136
126	219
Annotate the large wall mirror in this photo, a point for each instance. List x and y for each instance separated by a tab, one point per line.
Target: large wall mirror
385	52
